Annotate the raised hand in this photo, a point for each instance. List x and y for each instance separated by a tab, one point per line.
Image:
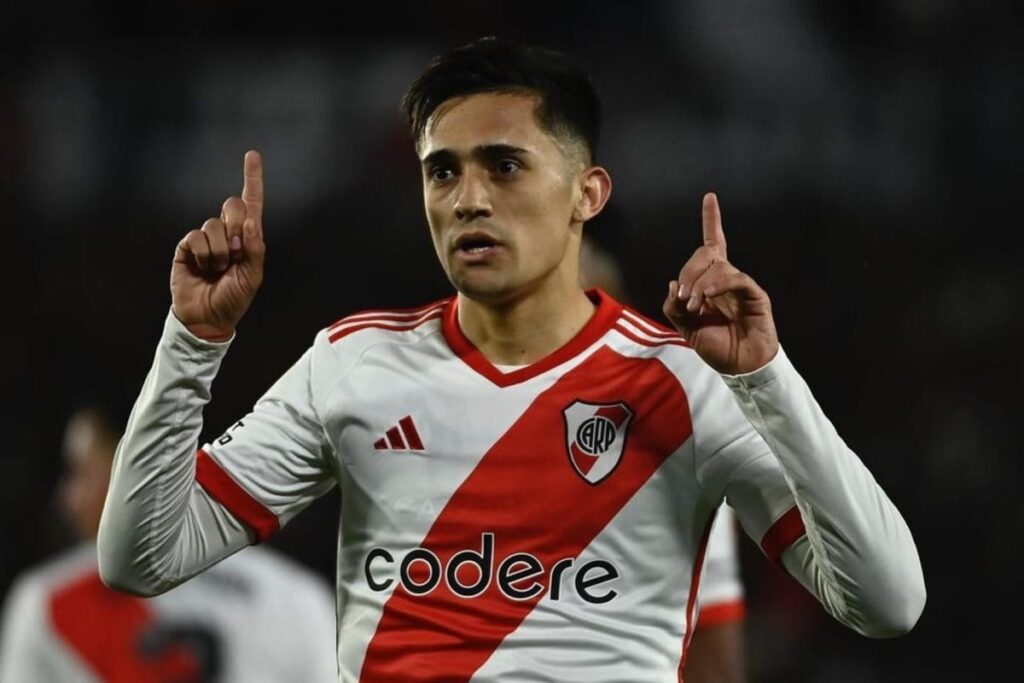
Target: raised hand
218	268
722	312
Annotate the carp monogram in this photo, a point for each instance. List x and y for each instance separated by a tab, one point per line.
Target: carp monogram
595	435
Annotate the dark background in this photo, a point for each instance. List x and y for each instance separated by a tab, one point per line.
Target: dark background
867	158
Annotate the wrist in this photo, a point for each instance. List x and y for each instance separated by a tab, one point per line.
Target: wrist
763	373
210	333
760	360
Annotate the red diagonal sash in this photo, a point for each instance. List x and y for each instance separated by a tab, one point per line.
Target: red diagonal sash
104	628
525	491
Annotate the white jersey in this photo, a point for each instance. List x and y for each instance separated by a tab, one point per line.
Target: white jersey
721	595
544	524
256	617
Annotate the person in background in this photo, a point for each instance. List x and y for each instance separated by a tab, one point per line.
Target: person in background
255	617
716	653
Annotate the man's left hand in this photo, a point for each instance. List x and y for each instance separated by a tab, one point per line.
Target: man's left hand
724	315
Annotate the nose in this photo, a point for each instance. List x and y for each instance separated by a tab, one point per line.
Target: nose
472	199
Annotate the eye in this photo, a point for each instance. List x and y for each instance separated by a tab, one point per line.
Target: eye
507	166
440	173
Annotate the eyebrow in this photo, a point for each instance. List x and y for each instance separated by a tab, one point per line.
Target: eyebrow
486	152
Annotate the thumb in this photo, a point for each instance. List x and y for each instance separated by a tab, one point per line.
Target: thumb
675	309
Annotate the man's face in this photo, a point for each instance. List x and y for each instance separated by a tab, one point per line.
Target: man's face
88	455
499	193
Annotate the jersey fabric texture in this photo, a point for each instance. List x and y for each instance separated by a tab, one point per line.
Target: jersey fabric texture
256	617
545	524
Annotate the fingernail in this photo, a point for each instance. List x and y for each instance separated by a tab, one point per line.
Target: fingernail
682	291
236	242
691	305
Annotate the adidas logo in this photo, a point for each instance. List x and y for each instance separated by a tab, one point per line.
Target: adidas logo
401	437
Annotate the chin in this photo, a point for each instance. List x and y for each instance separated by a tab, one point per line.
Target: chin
484	290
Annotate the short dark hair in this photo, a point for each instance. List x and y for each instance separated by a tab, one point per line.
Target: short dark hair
568	102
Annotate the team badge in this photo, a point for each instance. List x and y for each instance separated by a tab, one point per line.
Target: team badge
595	435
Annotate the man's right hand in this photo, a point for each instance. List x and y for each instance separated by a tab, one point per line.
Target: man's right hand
218	268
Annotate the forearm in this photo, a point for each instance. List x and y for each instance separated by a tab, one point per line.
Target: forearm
858	557
159	527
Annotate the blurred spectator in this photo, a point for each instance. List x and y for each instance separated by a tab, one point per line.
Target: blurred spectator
255	617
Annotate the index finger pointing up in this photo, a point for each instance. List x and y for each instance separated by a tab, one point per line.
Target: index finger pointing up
714	236
252	187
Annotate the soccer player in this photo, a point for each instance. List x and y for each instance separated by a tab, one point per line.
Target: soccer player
255	617
716	653
528	471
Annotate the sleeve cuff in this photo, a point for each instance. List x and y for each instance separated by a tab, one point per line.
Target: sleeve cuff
732	612
777	367
176	331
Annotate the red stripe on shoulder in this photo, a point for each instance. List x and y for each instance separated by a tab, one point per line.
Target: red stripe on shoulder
722	613
384	325
626	332
389	313
786	530
656	329
237	500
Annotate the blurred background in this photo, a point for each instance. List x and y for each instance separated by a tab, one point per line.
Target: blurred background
866	155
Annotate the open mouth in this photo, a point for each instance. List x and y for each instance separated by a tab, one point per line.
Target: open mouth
475	243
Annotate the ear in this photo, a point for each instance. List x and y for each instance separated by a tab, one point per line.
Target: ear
596	188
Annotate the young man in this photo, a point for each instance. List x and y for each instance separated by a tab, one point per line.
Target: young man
255	617
528	471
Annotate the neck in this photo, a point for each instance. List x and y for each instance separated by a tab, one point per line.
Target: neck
523	331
